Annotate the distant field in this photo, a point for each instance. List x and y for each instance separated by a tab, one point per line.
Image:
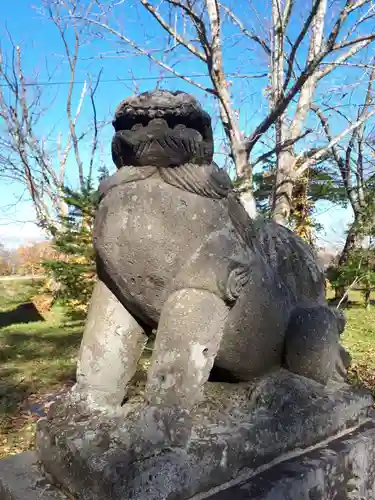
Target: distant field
38	358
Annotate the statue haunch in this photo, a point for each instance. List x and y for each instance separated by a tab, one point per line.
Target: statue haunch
176	251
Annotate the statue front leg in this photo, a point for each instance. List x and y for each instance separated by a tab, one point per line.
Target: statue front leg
187	340
111	346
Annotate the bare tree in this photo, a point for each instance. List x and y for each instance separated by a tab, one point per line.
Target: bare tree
323	40
355	162
35	160
289	166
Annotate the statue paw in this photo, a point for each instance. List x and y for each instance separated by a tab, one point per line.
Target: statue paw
342	365
237	279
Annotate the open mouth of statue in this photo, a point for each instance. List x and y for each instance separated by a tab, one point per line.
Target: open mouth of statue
161	141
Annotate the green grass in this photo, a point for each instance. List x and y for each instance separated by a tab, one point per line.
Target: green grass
35	358
39	357
13	293
359	339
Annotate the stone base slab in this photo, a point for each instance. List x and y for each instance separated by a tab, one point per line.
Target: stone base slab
343	469
156	454
22	479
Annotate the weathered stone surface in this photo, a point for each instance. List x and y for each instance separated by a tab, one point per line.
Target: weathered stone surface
21	479
180	366
170	226
154	453
161	128
109	360
343	469
320	325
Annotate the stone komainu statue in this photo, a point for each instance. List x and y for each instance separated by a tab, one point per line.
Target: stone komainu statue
177	252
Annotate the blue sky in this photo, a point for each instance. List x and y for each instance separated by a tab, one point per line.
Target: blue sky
42	49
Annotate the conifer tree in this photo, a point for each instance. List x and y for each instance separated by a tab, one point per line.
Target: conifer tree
72	238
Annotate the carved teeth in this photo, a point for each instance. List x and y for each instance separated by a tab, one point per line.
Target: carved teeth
137	126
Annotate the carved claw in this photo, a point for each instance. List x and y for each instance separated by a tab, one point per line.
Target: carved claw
237	279
342	364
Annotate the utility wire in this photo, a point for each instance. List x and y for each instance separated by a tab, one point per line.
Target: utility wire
129	79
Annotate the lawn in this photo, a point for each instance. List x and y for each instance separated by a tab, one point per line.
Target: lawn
359	339
38	358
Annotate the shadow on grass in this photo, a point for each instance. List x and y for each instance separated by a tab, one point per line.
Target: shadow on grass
19	346
349	304
13	391
35	362
24	313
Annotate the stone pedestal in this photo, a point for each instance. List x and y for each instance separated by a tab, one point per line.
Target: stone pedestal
285	438
343	469
238	432
22	479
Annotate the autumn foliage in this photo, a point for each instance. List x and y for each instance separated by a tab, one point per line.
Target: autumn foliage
27	260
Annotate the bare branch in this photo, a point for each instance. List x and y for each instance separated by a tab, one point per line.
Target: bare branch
246	32
216	70
94	145
292	88
355	48
190	47
145	53
332	143
282	105
72	59
299	40
308	89
280	147
345	173
287	13
26	157
197	21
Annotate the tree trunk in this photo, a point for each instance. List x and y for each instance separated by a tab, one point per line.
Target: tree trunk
283	193
301	209
351	243
244	173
